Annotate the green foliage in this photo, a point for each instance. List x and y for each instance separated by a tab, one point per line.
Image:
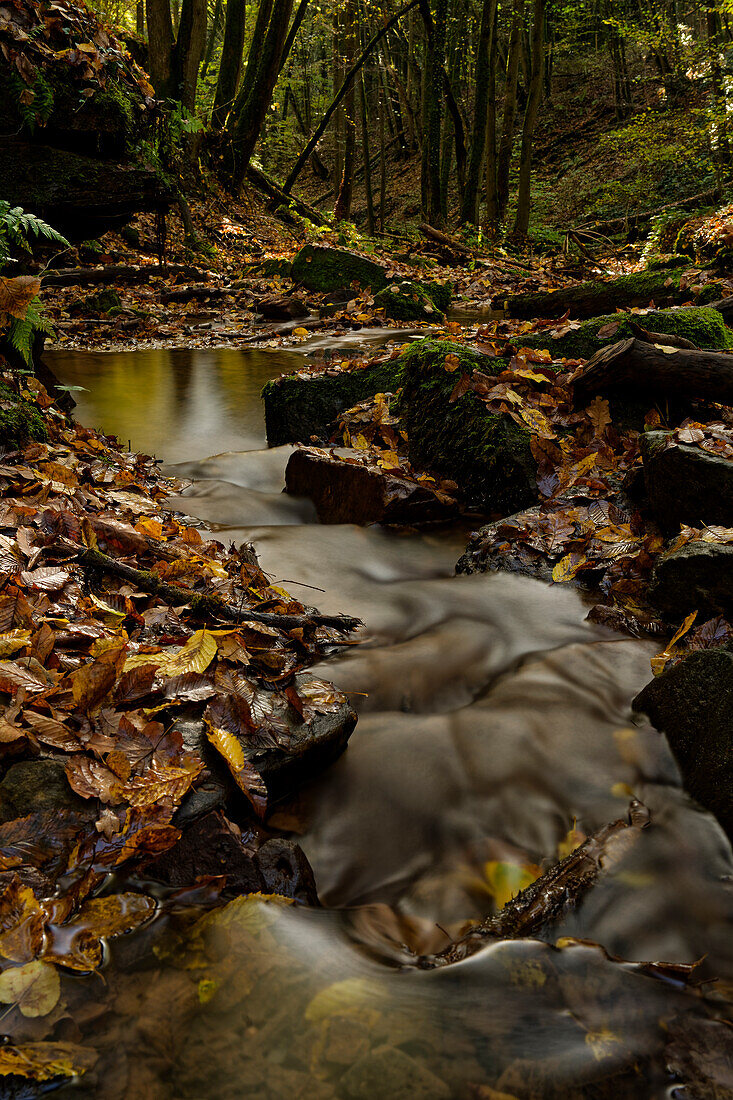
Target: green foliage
34	103
17	228
21	333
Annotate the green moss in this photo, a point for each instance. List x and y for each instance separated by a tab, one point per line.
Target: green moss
487	454
406	301
441	293
297	408
104	301
704	327
593	299
20	421
322	268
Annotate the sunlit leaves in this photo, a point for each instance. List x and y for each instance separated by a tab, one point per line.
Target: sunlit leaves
35	988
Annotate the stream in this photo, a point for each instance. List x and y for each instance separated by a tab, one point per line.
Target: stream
492	717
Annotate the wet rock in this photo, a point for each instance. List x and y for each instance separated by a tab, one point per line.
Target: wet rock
699	575
102	302
36	785
692	703
336	302
407	301
348	492
390	1074
487	454
301	407
300	755
320	267
281	307
78	195
481	556
704	327
685	484
214	846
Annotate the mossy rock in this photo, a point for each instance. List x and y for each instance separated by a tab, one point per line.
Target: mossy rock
692	703
274	266
697	577
102	302
408	301
596	298
322	268
685	484
20	421
704	327
487	454
298	407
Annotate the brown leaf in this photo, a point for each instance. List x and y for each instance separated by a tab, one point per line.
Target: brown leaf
17	294
463	385
92	681
91	778
21	923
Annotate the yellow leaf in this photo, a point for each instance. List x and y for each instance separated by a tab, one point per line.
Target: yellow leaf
300	331
389	460
684	628
567	567
360	443
43	1061
506	880
248	779
196	655
350	997
537	421
12	641
35	988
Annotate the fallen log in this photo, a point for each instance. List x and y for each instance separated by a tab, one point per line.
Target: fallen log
278	196
121	273
553	894
207	604
637	365
669	339
592	299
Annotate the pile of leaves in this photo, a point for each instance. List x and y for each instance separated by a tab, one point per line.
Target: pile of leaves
95	669
37	36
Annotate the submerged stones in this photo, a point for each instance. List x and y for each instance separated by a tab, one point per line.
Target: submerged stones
692	703
320	267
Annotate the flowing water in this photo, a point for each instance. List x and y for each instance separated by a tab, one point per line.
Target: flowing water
492	717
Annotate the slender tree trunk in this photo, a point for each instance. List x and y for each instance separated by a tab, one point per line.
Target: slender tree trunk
160	46
140	18
433	108
213	35
521	224
492	197
470	204
715	49
342	209
230	64
252	103
189	49
504	157
382	168
366	155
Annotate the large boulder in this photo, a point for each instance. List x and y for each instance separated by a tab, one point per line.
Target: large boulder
487	454
299	407
345	490
685	484
322	268
697	576
692	703
702	326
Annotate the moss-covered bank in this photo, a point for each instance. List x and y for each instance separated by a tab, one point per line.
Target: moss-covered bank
488	455
594	299
704	327
408	301
20	421
322	268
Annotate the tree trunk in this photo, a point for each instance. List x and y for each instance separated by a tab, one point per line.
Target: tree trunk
504	157
521	224
231	62
251	104
188	50
471	192
160	46
634	365
433	108
213	35
140	18
492	200
366	156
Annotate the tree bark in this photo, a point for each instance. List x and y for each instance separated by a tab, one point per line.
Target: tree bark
342	209
506	145
230	64
433	109
521	223
471	191
189	50
635	365
366	155
160	46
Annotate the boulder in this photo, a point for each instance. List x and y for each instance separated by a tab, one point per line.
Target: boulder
704	327
697	576
487	454
406	301
685	484
322	268
346	491
35	786
281	307
390	1074
20	421
301	406
80	196
692	703
304	748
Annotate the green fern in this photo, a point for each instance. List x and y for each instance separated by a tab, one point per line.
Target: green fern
41	105
20	334
17	227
